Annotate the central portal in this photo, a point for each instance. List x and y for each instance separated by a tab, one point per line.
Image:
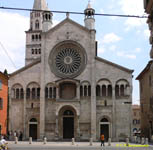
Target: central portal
68	124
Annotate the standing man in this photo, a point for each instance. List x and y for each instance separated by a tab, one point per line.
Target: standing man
102	138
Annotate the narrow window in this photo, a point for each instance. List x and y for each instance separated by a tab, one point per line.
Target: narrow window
122	90
97	90
32	51
17	94
37	24
104	90
1	103
28	93
0	84
33	93
33	37
31	105
85	90
109	90
38	93
21	93
46	92
35	51
54	94
50	93
81	90
39	51
89	90
117	90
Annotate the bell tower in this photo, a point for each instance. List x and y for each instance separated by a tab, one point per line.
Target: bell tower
33	35
89	17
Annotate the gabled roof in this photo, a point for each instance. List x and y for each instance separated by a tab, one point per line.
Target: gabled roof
70	21
25	67
114	65
144	70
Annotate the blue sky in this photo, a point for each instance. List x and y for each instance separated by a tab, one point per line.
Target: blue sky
124	41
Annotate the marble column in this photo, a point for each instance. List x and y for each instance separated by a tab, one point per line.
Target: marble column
78	127
113	113
24	115
56	128
78	91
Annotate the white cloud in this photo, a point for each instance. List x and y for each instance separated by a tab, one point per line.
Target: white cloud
110	38
147	33
138	50
132	7
101	50
126	55
102	11
113	48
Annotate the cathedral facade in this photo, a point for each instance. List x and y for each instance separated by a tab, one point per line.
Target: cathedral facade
65	90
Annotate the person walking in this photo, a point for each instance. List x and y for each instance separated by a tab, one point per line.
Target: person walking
102	138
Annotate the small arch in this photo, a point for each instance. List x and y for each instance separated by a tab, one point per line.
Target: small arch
104	120
33	120
68	113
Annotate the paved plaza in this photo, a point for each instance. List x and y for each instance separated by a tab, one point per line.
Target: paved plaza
76	146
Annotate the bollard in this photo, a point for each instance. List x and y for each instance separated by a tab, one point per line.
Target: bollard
135	139
73	141
146	141
16	140
45	140
30	140
91	141
109	142
127	141
142	141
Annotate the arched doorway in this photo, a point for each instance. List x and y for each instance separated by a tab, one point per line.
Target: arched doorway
105	128
33	128
68	124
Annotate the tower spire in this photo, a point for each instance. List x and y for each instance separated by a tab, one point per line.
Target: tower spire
89	16
40	5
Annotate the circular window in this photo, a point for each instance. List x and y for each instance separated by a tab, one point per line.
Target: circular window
67	59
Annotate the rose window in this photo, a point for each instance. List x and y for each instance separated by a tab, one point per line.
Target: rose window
67	60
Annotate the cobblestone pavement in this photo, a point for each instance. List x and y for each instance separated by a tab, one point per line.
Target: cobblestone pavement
76	146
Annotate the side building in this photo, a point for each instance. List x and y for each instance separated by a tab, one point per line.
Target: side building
146	100
136	119
148	6
3	103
